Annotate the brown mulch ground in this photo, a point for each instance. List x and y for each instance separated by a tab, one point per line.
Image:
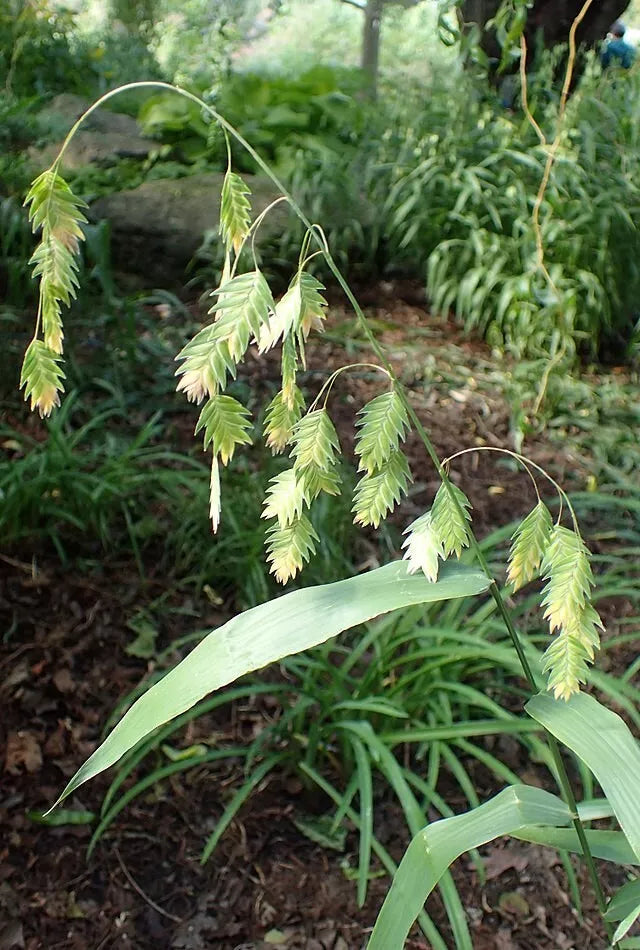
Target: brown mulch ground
64	665
144	886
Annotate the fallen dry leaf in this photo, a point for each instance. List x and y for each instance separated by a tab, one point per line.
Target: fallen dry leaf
63	681
12	936
500	860
23	749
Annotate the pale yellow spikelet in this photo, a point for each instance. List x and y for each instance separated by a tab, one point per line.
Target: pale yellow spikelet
423	548
215	500
568	608
196	384
285	498
283	318
46	401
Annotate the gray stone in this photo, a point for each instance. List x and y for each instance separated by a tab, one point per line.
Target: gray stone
67	108
87	148
157	227
103	138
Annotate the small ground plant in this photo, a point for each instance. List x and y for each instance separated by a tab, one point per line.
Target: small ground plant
551	548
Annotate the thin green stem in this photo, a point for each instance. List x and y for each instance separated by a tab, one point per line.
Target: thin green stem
525	462
494	448
342	369
564	782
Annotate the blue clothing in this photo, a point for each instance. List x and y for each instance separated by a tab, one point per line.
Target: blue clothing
619	53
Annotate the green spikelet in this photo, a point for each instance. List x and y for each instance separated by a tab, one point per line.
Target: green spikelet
288	548
315	442
42	377
281	418
314	481
226	424
299	311
242	308
207	362
315	448
529	542
56	211
289	370
383	425
285	498
451	529
312	306
376	495
235	211
569	611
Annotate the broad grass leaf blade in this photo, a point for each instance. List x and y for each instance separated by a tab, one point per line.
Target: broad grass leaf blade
291	623
625	925
435	848
606	845
603	741
624	901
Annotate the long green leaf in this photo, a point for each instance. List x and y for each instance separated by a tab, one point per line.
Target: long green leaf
365	793
606	845
625	901
625	925
603	741
435	848
292	623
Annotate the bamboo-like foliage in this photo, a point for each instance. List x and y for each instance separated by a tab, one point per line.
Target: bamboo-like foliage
245	312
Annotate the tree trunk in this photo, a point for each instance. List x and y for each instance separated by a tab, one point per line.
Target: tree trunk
550	19
371	43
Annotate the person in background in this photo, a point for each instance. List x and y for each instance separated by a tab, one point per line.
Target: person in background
617	52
